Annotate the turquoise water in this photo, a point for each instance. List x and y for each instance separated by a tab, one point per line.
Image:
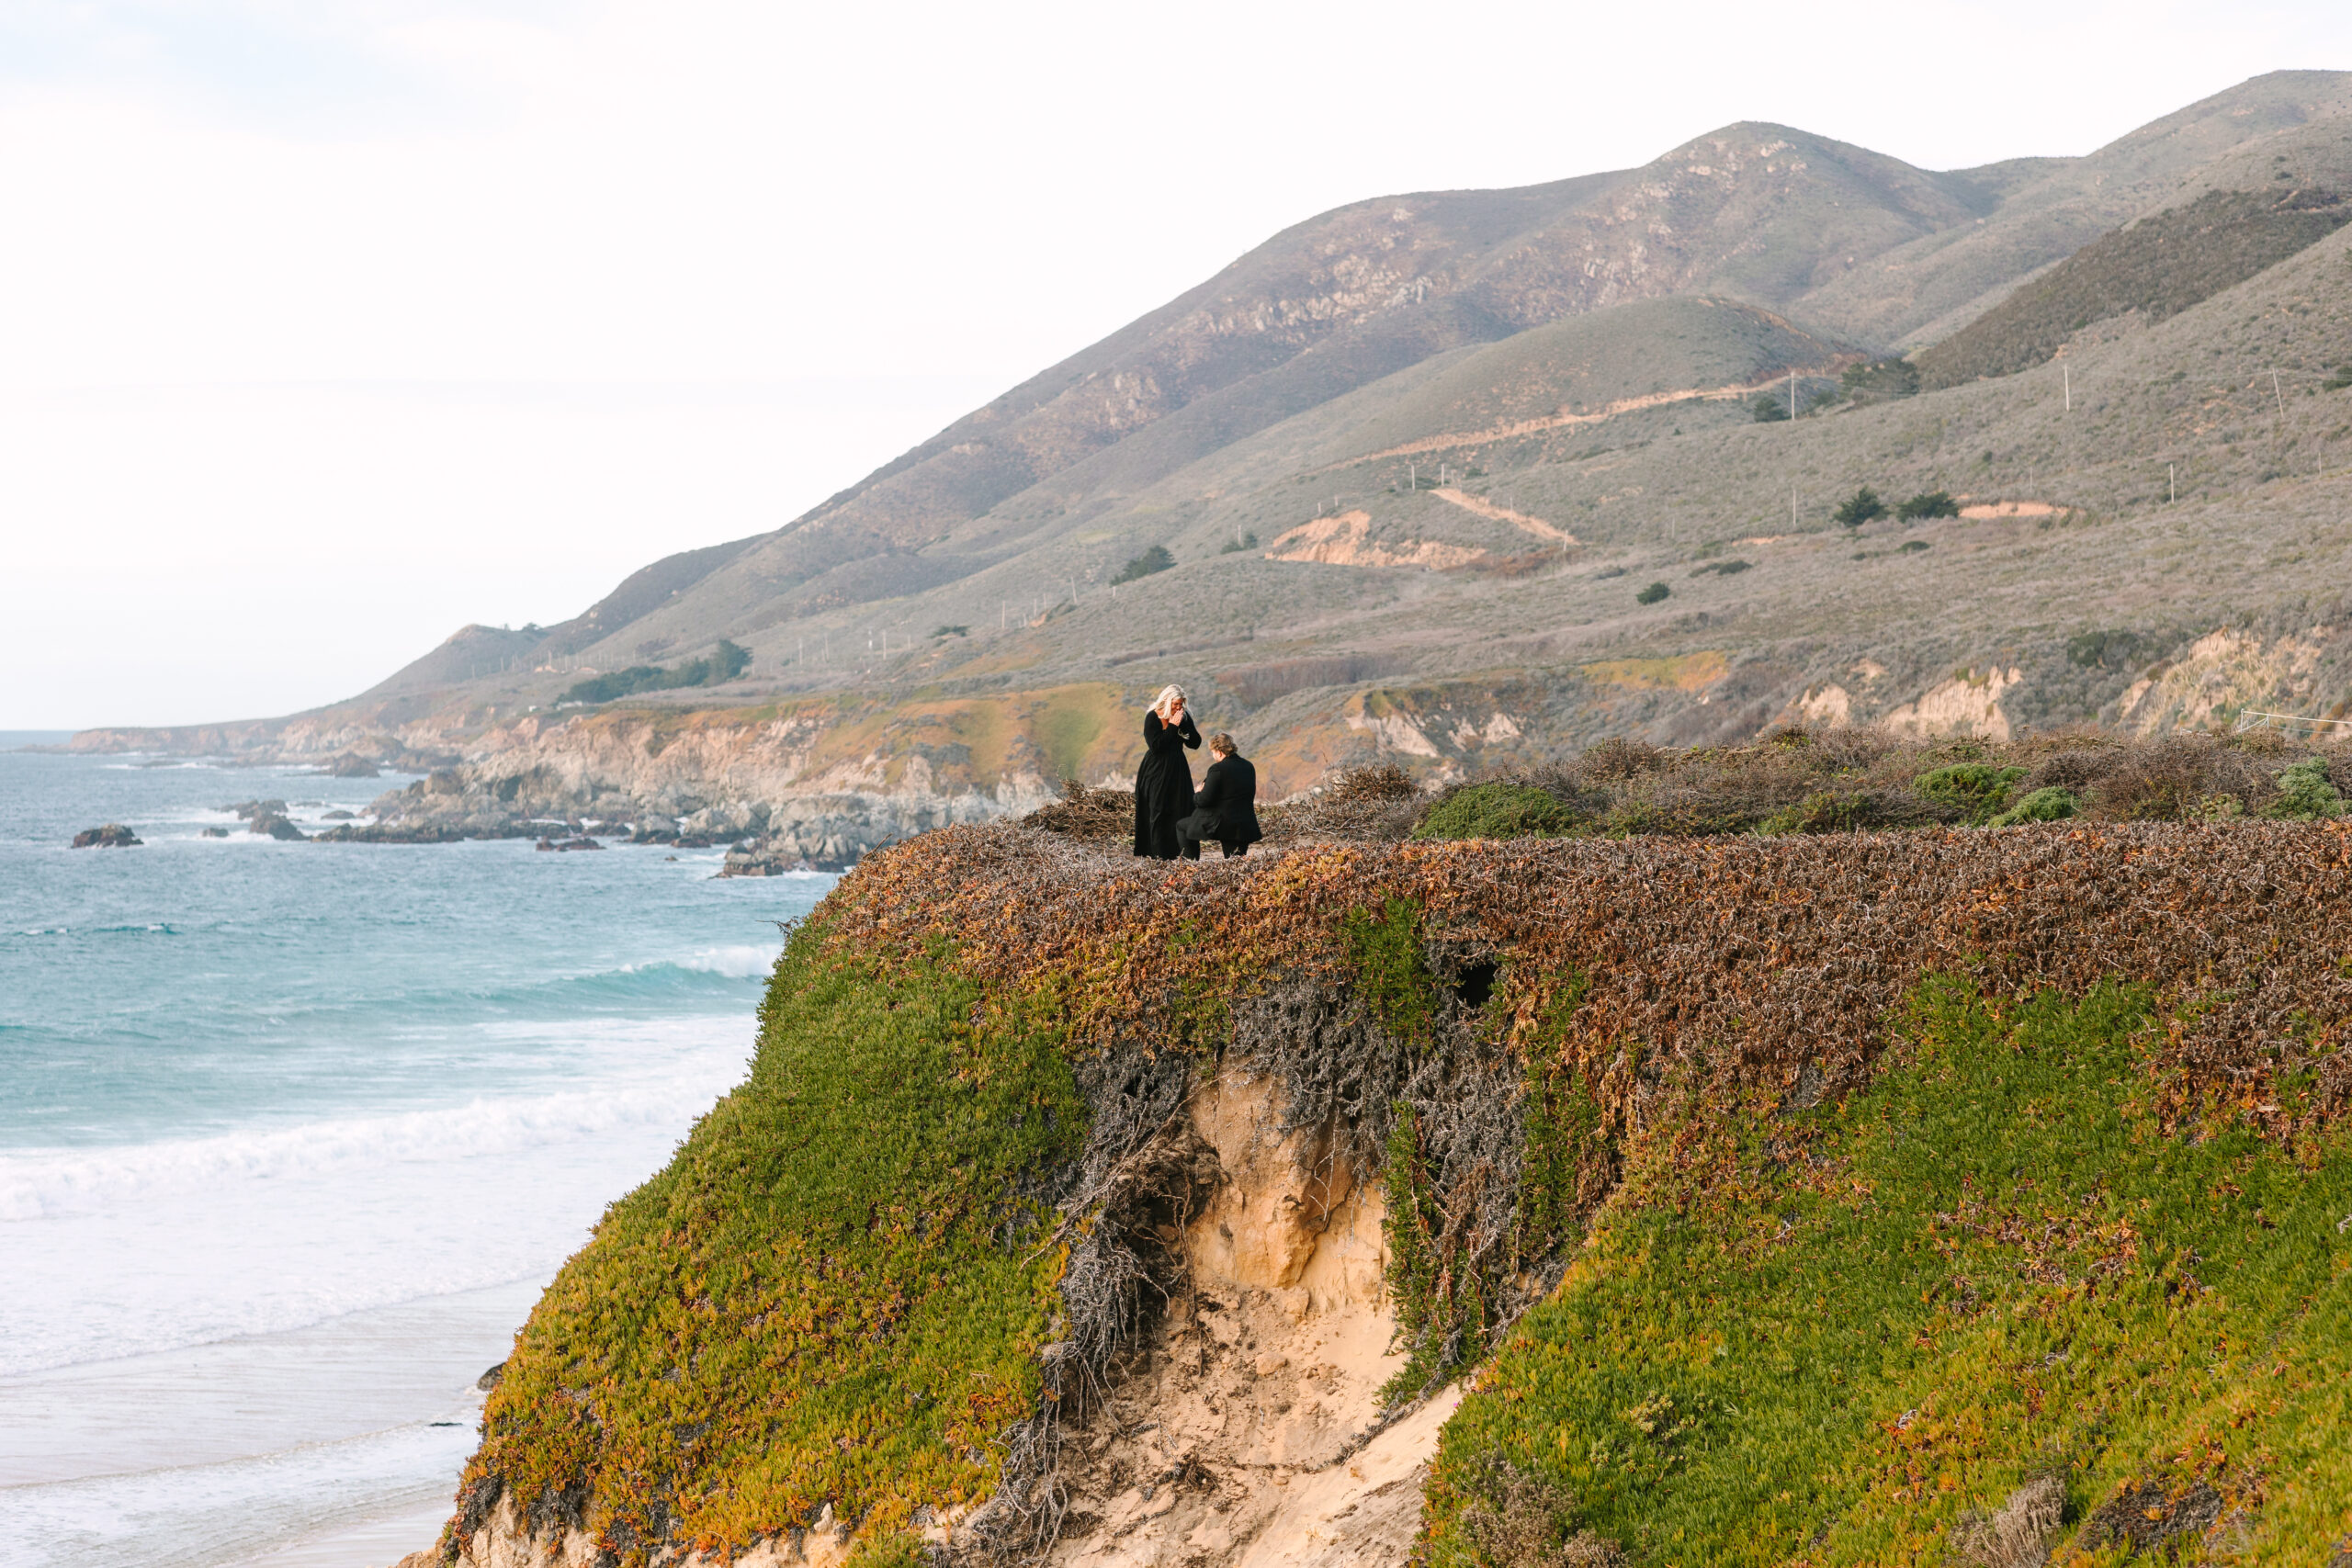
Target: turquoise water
300	1129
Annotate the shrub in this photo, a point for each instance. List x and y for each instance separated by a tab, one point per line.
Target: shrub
2305	795
726	661
1248	541
1826	811
2048	804
951	631
2103	650
1910	546
1768	409
1928	503
1653	594
1156	558
1978	791
1879	382
1496	811
1862	506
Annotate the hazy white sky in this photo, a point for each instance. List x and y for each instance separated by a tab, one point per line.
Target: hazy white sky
327	326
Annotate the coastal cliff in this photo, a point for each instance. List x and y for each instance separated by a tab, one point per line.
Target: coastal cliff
1853	1197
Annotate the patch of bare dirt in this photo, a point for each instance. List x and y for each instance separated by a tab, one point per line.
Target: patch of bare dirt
1246	1429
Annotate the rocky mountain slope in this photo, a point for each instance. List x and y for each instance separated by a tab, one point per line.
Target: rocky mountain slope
1418	464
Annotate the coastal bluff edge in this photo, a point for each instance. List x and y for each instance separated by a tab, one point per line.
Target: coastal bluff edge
1943	1195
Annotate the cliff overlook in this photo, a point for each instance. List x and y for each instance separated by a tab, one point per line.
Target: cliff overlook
1948	1194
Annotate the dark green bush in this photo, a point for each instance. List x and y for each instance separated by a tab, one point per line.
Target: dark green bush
726	661
1862	506
1928	503
1496	811
1652	594
2048	804
1768	409
1826	811
1156	558
1978	791
2305	795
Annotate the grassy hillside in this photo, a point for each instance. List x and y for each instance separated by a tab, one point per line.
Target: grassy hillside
2046	209
2160	266
1821	1192
1512	428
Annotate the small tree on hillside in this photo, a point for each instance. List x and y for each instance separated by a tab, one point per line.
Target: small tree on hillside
1928	503
1862	506
1768	406
1156	558
1652	594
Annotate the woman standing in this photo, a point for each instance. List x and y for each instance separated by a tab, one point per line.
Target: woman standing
1164	781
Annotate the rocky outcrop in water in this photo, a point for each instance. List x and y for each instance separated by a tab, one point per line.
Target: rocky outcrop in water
113	836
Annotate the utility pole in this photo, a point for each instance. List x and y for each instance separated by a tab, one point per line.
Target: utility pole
1792	507
2278	394
1793	394
2067	378
2172	478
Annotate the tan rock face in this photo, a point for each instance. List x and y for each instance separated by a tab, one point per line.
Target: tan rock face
2222	671
1246	1429
1249	1431
1968	704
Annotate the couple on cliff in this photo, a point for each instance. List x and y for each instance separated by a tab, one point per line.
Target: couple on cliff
1170	818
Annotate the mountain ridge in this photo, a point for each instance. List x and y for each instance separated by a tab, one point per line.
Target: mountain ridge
1563	359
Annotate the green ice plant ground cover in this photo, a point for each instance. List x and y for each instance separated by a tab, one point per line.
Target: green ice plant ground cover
834	1292
1826	1337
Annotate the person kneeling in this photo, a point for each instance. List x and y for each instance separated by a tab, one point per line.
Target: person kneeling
1225	808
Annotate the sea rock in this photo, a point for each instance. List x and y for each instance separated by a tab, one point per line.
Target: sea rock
246	810
582	842
376	833
275	825
352	765
342	817
113	836
216	832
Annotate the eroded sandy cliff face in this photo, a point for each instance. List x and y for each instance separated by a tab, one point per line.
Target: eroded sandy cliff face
1244	1425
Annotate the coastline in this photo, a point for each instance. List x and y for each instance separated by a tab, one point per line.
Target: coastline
321	1447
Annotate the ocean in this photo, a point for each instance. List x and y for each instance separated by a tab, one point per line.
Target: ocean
292	1135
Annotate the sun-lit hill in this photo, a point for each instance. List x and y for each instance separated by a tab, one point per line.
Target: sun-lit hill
2041	211
1423	494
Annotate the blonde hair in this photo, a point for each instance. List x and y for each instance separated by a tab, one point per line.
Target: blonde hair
1167	694
1221	743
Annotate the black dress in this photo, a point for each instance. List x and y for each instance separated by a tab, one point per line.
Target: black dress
1164	788
1226	808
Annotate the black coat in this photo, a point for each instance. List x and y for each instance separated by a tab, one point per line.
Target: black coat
1229	793
1164	785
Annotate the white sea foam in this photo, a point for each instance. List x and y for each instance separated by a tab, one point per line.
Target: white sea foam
149	1246
39	1186
740	963
196	1515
